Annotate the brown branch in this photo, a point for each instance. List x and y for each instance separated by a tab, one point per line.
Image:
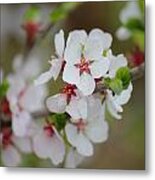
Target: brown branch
136	73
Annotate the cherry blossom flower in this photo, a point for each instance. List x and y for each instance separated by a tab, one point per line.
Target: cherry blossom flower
47	143
87	124
10	146
73	158
56	62
116	62
58	102
84	58
24	98
114	102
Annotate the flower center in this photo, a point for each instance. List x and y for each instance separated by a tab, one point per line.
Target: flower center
48	129
84	66
69	90
81	125
6	137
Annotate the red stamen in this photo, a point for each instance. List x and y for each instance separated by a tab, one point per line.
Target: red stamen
6	137
81	125
83	66
49	130
69	90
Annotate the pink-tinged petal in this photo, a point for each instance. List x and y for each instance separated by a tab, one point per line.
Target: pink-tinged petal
71	74
57	103
17	62
112	106
93	49
33	98
10	156
31	69
104	38
73	159
72	133
23	143
41	144
116	62
94	108
73	53
97	131
16	85
43	78
56	67
59	43
83	145
86	84
99	68
77	109
72	110
20	123
78	36
57	150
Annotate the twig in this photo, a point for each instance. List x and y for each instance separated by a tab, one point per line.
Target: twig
136	73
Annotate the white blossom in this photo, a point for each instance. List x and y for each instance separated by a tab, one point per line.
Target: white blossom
23	96
56	62
47	143
87	125
11	146
58	102
116	62
84	58
114	102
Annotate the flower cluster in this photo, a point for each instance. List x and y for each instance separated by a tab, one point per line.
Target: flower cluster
76	119
77	113
21	99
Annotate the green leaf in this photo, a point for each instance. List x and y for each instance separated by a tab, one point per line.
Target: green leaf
32	13
116	85
59	121
62	11
124	75
3	88
134	24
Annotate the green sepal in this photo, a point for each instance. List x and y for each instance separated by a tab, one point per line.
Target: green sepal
116	85
59	121
124	75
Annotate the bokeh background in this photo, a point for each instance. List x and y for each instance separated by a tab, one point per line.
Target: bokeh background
125	148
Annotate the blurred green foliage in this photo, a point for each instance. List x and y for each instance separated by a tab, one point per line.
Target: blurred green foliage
32	13
62	11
